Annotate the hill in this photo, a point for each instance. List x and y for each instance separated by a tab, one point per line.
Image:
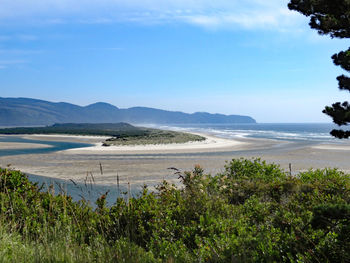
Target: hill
27	112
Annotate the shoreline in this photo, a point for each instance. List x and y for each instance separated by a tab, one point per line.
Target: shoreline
151	168
146	165
211	143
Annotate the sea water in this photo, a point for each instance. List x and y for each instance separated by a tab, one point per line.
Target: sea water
319	132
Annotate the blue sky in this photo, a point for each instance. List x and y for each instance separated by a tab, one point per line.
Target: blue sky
233	57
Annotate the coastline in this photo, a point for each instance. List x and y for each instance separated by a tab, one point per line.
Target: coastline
211	143
148	164
150	168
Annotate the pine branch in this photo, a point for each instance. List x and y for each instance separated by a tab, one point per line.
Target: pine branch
344	82
340	113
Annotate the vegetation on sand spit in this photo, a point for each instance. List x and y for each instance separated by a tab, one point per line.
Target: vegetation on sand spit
251	212
154	136
121	133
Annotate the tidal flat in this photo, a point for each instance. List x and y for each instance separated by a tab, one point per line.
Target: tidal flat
139	165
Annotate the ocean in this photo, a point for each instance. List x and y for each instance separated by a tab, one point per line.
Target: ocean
317	132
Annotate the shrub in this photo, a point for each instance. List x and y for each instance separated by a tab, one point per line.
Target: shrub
252	212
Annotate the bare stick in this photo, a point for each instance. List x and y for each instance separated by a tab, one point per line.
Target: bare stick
118	185
101	170
129	194
290	169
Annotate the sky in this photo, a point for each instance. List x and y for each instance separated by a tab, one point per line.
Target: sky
246	57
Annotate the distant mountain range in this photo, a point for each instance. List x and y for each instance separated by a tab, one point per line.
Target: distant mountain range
27	112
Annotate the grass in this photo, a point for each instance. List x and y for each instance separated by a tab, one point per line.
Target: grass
251	212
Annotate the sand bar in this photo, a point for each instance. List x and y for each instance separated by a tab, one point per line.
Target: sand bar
66	138
150	166
210	144
18	145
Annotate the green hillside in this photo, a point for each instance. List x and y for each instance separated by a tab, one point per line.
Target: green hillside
29	112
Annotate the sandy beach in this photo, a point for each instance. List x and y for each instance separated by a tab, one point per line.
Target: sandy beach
148	164
333	147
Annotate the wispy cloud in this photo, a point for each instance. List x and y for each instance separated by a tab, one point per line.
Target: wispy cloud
6	63
279	19
4	38
27	37
106	49
20	37
19	51
247	14
11	62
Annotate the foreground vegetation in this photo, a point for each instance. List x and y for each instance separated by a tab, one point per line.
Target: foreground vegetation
251	212
121	133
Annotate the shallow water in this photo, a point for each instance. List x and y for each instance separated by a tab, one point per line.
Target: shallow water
88	191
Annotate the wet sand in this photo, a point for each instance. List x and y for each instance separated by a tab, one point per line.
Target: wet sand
149	165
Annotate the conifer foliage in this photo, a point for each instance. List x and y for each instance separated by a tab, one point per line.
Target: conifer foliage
331	17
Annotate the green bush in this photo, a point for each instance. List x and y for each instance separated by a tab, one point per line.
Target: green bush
251	212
